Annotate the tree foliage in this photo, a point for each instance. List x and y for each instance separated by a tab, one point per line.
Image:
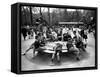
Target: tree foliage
51	16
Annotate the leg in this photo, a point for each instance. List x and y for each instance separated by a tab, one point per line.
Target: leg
83	48
24	37
29	36
52	59
53	56
77	53
34	51
28	49
86	41
58	57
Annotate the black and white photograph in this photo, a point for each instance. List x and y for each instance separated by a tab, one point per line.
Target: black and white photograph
57	38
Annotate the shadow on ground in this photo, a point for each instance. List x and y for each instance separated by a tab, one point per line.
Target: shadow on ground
45	58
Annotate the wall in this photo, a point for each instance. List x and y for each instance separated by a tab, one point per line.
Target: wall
5	39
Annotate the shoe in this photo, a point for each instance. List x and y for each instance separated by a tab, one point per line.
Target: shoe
58	62
24	54
78	59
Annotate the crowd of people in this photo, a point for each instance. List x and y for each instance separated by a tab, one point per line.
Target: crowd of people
75	38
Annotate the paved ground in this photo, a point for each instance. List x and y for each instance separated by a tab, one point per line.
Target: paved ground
42	61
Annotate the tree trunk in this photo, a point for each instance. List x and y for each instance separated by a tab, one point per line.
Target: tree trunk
49	15
31	17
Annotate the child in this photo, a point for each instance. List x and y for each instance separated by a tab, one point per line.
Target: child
35	46
84	36
79	43
69	44
58	51
72	48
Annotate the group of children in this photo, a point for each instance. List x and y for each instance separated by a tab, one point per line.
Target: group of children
74	45
73	39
